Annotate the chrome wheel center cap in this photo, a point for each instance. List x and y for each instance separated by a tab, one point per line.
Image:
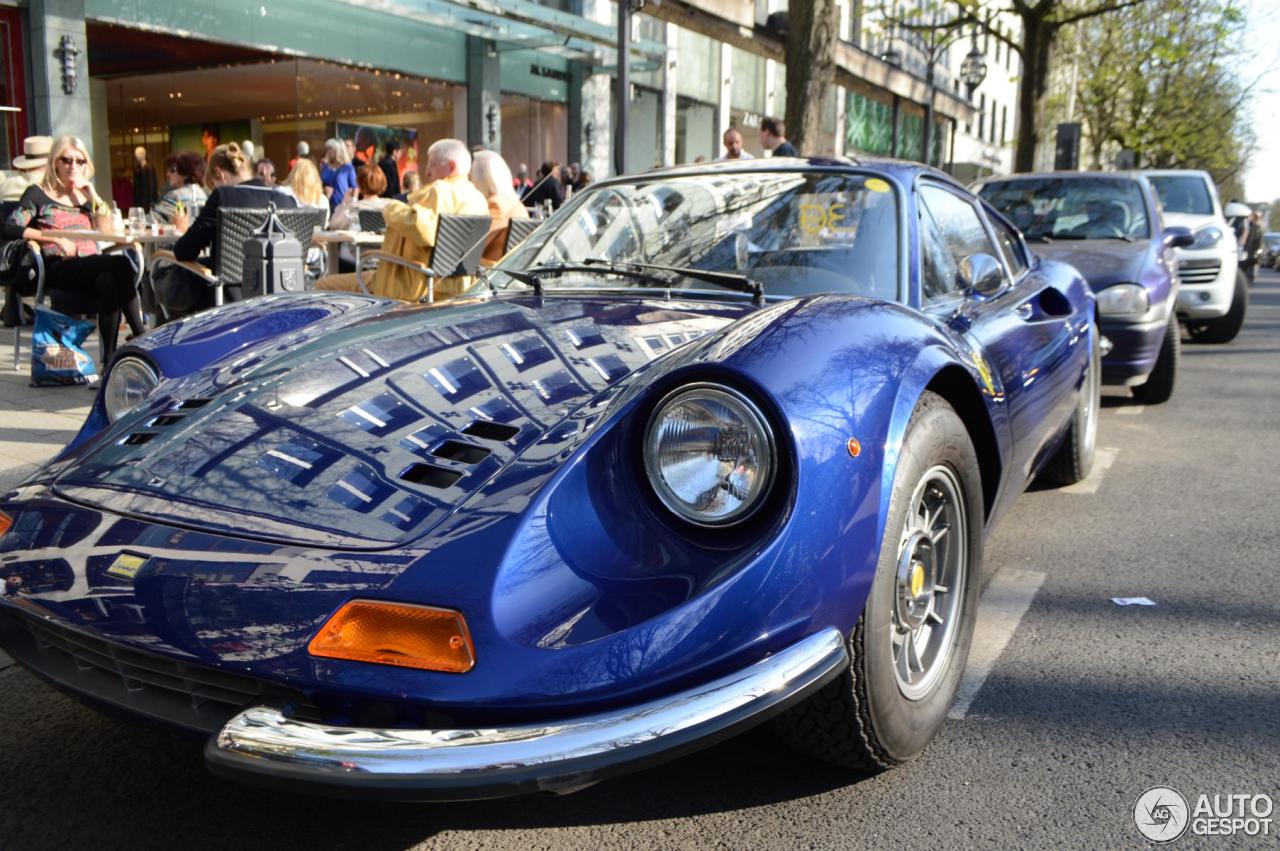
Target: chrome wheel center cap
917	572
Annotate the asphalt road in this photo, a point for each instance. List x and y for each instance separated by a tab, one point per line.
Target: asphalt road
1086	703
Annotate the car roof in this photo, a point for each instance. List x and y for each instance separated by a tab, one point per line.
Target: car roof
903	171
1041	175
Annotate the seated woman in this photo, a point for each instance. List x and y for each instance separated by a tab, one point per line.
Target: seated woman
370	184
185	173
231	178
303	183
490	174
78	277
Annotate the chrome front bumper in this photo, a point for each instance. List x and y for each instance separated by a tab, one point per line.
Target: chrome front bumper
262	746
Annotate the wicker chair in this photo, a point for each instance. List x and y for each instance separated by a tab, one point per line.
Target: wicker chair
371	221
459	246
518	230
235	225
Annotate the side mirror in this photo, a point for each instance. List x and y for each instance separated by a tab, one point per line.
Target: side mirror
982	274
1176	236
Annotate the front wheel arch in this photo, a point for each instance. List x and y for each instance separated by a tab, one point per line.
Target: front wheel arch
957	387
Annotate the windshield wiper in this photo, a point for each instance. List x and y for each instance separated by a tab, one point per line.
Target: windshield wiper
728	280
1039	237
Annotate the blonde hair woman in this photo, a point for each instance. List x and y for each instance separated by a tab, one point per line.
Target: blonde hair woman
337	173
304	184
232	185
492	176
79	278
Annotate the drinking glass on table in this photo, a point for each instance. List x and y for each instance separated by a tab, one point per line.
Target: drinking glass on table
137	219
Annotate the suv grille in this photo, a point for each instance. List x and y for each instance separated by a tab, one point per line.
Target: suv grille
190	696
1198	272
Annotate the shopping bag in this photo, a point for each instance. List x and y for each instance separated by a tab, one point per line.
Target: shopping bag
57	353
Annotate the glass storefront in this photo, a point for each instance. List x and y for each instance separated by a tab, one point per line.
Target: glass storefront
278	103
533	132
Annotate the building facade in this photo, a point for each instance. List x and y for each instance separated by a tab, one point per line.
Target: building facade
533	80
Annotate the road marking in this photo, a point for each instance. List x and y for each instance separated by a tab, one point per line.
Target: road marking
1131	410
1102	461
1003	604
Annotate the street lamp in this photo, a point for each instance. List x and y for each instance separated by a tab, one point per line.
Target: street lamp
973	70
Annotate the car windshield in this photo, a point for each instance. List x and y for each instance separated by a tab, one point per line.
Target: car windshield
1272	239
1072	207
1183	193
792	233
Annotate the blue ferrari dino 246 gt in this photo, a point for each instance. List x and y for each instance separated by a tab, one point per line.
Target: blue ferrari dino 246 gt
715	445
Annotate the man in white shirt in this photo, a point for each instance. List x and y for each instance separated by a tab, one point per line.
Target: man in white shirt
733	146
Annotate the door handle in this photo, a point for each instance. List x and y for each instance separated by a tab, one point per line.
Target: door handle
1025	310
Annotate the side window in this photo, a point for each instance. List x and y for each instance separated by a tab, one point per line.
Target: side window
1010	247
961	230
937	265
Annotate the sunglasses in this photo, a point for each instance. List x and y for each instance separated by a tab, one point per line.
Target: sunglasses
73	161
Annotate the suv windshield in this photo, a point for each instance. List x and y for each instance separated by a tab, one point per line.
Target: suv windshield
1072	207
795	233
1183	193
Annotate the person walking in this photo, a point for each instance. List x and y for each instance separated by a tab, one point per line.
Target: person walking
80	279
144	180
773	138
1252	245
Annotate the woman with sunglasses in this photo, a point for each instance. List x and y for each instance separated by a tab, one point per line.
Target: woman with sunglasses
80	279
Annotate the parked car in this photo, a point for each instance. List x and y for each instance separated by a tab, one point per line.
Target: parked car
713	444
1109	227
1214	295
1270	250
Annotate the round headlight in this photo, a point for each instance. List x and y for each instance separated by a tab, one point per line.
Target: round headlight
129	383
709	454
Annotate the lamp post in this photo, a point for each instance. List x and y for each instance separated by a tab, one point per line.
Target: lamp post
973	70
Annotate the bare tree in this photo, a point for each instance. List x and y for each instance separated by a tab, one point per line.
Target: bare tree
811	68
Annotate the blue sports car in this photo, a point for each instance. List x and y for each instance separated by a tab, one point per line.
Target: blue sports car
1109	226
715	445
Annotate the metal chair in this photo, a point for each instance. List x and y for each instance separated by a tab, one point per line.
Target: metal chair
235	225
460	242
518	230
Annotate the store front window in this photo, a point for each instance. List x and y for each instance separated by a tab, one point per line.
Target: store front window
533	132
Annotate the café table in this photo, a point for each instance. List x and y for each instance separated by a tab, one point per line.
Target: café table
147	241
333	240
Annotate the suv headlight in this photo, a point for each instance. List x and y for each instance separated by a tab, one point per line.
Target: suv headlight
1206	238
129	383
709	454
1123	300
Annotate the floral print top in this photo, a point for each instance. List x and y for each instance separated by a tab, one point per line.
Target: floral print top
37	210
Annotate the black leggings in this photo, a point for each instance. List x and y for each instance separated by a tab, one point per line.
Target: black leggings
101	284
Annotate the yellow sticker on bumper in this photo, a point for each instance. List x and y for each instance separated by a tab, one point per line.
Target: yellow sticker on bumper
126	566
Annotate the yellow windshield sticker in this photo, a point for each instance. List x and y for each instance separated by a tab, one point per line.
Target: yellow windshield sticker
126	566
875	184
836	218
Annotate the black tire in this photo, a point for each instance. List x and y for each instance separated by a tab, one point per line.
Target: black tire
863	719
1074	458
1159	385
1226	328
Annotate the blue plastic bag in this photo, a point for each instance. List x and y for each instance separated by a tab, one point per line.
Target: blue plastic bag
57	353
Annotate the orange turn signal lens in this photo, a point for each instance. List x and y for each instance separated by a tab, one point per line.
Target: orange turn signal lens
6	523
397	634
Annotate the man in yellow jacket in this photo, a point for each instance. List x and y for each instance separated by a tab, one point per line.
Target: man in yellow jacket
411	227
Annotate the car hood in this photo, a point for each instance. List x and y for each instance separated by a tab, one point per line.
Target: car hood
1101	262
1194	221
368	437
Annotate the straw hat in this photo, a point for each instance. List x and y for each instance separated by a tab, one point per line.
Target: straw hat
35	153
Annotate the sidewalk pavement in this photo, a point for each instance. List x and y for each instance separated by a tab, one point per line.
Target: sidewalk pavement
35	422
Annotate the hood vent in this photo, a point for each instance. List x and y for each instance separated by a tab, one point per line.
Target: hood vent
491	431
432	477
463	453
192	404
